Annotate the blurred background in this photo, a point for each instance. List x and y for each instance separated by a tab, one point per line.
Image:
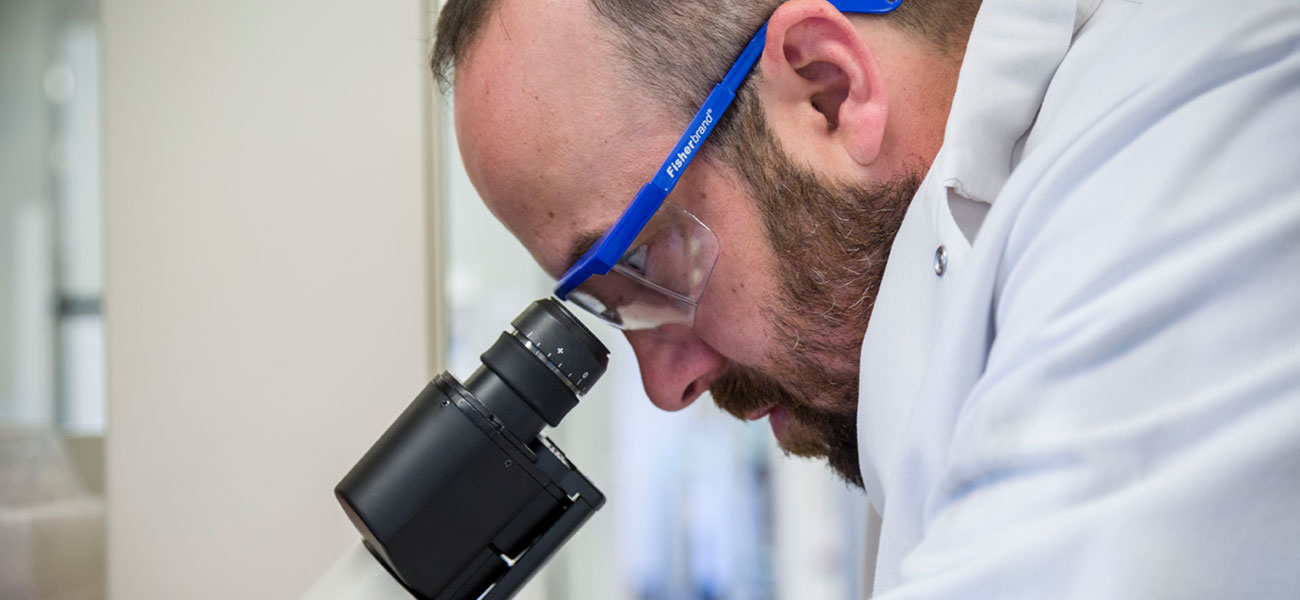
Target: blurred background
235	241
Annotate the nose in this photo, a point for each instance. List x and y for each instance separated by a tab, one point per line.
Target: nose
675	372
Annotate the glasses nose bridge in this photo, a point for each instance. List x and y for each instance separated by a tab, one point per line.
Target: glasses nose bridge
657	283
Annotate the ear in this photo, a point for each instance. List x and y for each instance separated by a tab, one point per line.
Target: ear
821	80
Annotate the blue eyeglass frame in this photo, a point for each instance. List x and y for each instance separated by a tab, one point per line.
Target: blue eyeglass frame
607	251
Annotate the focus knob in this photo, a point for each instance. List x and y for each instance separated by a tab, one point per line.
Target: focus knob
553	333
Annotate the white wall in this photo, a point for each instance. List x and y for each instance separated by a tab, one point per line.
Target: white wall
267	187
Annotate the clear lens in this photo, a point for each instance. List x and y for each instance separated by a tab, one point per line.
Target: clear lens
658	282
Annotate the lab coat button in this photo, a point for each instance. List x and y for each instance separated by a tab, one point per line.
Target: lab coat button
940	261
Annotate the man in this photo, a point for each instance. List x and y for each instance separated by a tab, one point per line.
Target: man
1030	278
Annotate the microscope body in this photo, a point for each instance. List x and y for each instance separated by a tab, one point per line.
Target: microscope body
448	495
462	498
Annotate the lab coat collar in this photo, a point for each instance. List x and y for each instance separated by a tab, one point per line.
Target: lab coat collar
1014	49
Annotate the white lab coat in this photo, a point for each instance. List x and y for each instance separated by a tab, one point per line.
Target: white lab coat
1099	397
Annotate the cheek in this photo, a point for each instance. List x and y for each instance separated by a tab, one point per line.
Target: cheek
735	313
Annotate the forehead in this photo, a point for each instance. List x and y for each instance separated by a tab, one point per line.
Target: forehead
552	138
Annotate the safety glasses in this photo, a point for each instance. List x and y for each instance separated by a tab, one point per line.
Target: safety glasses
649	270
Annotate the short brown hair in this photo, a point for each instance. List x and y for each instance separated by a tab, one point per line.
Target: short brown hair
702	37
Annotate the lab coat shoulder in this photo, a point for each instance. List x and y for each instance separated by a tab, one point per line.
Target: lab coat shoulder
1130	155
1115	406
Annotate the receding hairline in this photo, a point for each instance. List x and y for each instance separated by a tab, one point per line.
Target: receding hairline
461	23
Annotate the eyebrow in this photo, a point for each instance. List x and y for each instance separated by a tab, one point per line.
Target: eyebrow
581	245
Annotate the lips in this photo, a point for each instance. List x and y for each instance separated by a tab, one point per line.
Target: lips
755	415
777	417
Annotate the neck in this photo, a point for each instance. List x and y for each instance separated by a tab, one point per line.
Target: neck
922	79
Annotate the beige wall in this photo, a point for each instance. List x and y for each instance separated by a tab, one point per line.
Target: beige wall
267	183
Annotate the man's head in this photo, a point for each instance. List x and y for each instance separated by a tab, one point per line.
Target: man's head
564	108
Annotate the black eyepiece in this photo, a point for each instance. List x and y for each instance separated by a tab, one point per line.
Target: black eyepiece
533	376
570	348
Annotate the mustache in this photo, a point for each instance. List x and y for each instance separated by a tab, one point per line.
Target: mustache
744	390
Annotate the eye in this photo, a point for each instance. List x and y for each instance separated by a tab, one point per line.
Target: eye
635	258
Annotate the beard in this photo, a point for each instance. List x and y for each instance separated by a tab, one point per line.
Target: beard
832	241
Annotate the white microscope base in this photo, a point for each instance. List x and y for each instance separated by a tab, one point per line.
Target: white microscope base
357	576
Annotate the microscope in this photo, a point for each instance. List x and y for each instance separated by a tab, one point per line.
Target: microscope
462	498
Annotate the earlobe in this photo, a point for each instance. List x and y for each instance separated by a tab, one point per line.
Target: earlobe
821	74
